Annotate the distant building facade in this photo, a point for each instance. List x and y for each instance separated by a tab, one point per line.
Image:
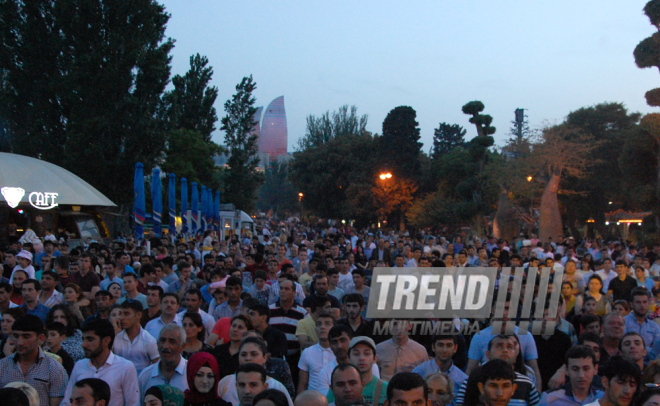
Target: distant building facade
273	137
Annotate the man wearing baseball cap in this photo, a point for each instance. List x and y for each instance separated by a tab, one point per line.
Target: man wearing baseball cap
362	354
24	259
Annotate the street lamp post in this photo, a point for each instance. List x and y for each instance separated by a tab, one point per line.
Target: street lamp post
384	176
531	208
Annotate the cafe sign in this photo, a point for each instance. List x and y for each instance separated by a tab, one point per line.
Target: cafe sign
38	200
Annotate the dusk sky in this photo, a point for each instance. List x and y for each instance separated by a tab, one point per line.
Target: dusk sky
549	58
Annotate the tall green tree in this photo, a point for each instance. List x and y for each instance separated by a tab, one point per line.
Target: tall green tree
190	118
336	178
447	137
399	145
82	83
343	121
190	104
478	153
242	178
189	156
278	194
609	124
647	55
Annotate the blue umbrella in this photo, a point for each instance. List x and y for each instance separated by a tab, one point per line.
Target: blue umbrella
194	208
157	200
138	207
204	201
209	209
184	205
216	211
171	191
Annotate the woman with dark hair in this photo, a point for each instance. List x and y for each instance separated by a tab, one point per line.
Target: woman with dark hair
203	376
74	298
227	354
595	290
163	395
115	290
361	259
195	333
270	397
73	343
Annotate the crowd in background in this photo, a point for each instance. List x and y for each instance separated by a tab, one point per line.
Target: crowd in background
280	318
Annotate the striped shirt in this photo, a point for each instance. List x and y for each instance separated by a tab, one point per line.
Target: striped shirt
287	321
525	394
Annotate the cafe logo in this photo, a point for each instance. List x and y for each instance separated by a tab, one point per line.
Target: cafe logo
38	200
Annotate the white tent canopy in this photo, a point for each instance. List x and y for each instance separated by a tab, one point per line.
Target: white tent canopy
34	175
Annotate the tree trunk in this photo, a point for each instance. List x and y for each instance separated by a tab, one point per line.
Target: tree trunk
505	223
550	218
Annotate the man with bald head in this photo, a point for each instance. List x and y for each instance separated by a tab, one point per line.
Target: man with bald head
310	398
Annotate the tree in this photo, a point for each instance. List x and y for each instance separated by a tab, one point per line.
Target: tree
478	153
481	121
190	104
394	196
562	151
278	193
322	129
447	137
609	124
336	177
647	55
399	145
190	157
82	84
242	179
190	119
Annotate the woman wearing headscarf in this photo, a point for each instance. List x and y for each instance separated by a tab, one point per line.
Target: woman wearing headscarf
163	395
203	376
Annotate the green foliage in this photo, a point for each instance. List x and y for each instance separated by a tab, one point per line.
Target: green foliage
447	137
481	121
609	125
330	125
190	104
278	193
433	210
190	157
336	177
652	10
399	146
82	84
242	178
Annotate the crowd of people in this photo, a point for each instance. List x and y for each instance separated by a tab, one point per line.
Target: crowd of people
280	318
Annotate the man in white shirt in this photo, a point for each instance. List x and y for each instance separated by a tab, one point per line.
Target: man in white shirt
171	368
169	305
607	274
100	362
400	353
314	358
192	303
133	342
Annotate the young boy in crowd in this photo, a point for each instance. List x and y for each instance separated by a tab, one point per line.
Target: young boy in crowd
260	290
55	335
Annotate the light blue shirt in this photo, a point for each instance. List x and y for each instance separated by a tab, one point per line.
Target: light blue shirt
479	345
151	376
649	331
431	367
